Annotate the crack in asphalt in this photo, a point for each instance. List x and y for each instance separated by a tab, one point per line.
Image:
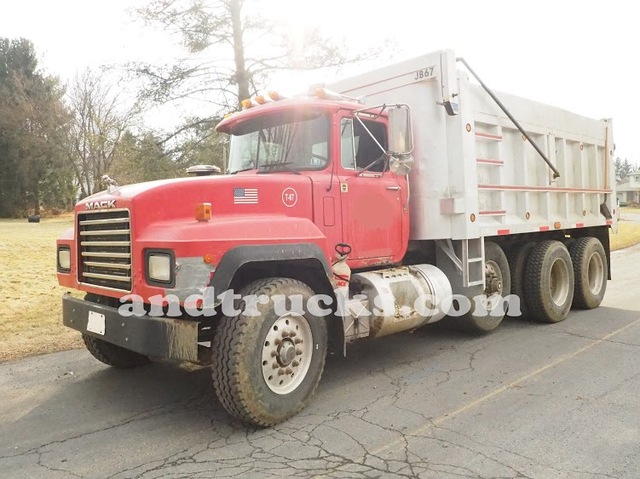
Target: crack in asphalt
344	443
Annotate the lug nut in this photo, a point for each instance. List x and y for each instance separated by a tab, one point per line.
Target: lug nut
278	342
275	365
298	341
285	334
298	352
288	371
280	372
293	334
295	364
273	354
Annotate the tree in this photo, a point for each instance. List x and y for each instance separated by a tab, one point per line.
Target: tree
33	120
141	158
99	121
229	54
623	168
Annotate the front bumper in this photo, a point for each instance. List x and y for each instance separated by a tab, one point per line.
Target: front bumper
152	336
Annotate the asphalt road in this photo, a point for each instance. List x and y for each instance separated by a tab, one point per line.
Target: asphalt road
529	400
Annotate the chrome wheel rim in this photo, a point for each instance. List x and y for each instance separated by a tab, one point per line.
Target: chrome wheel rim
286	353
559	282
595	273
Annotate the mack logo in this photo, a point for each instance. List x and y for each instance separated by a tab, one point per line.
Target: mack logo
96	205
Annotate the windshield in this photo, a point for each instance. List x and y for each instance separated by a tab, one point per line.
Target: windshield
295	140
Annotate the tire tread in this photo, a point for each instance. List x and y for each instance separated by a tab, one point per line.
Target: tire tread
228	345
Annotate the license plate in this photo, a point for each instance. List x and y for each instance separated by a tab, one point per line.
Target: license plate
96	323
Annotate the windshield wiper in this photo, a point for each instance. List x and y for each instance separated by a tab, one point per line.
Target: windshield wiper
243	169
274	167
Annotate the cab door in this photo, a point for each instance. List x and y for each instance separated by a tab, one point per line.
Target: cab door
371	196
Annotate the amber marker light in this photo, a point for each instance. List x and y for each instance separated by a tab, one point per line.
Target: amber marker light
557	225
246	103
472	217
260	100
203	211
208	258
320	92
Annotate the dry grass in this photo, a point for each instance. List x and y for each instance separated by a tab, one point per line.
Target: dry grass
628	235
628	209
31	319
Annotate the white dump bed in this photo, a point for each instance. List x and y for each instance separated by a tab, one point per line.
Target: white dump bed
475	173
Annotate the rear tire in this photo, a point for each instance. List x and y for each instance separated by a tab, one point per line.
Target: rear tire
113	355
266	368
497	281
518	256
549	282
591	271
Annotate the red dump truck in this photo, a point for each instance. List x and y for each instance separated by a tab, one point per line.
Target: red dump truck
376	205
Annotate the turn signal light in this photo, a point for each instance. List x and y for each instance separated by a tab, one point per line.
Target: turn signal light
203	211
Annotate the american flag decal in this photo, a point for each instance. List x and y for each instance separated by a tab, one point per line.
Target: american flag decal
245	196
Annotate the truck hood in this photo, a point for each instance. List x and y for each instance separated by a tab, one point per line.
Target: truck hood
230	195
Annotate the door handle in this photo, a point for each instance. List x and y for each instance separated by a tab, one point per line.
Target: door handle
394	188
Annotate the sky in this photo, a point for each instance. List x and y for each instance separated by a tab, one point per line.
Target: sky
578	55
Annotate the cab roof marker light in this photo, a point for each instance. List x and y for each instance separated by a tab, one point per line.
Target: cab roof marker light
275	96
325	94
246	104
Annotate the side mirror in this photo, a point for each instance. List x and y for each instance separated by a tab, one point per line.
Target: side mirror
400	139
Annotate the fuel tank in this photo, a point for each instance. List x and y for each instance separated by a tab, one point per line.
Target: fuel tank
402	298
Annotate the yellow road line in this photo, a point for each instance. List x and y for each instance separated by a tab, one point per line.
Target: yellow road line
436	422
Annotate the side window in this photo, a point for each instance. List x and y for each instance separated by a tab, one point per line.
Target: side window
346	144
359	147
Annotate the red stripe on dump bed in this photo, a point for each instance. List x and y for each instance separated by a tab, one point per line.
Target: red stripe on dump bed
579	225
489	136
490	161
504	232
544	228
492	213
544	189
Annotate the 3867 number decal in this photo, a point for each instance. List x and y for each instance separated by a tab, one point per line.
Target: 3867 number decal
424	73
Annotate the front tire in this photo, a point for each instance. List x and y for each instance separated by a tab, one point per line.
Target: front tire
266	368
590	268
549	282
113	355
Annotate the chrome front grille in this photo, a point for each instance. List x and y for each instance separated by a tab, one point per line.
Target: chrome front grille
104	237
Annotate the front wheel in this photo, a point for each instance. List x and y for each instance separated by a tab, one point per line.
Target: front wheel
267	361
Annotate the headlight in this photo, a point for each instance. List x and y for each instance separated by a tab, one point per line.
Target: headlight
159	267
64	259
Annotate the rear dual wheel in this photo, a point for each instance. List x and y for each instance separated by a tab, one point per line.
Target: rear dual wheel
549	282
497	287
591	272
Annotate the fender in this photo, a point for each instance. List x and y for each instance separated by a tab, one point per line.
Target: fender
239	256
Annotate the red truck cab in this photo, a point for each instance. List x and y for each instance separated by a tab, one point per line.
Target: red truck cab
308	180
